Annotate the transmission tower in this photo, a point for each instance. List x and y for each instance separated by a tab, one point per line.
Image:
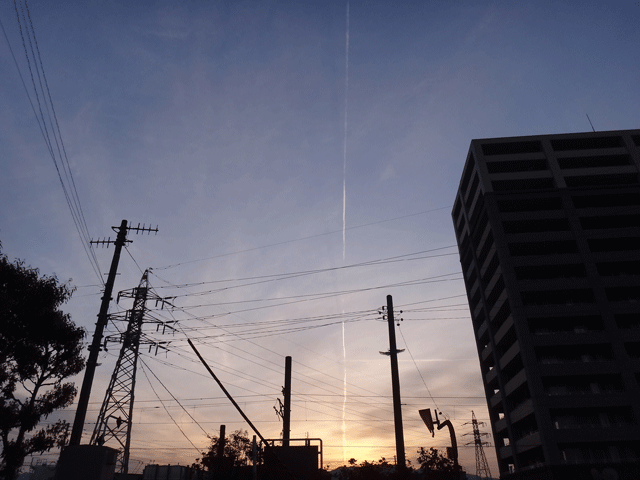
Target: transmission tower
115	419
482	467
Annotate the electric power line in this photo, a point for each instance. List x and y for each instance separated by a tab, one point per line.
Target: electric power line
69	188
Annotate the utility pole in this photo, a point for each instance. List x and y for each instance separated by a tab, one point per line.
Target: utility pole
94	349
235	404
395	383
286	391
221	441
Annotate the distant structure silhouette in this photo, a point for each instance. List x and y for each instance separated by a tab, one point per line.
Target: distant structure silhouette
482	467
116	414
548	230
115	420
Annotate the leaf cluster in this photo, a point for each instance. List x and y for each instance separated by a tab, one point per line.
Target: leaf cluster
237	447
368	470
39	348
432	460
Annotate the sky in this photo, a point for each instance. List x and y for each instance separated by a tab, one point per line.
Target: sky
270	138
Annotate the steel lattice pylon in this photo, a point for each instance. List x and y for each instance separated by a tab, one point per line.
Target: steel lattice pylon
115	418
482	467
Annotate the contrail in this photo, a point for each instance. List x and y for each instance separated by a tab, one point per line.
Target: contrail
344	224
344	395
344	149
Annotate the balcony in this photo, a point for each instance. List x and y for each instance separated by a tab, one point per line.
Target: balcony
517	380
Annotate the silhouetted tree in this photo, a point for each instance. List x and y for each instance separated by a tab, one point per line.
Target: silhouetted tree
39	348
369	471
237	447
438	465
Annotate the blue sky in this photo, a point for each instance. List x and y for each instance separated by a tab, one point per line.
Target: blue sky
223	123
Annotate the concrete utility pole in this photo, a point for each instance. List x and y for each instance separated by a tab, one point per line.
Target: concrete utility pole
286	391
94	349
235	404
221	441
395	383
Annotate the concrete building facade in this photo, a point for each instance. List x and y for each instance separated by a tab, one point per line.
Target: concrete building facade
548	230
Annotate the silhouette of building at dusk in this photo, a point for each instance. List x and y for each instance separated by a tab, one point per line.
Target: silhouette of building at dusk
548	230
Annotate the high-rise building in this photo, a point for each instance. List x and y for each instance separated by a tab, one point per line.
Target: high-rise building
548	229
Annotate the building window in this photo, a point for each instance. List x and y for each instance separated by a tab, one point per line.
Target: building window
601	417
610	221
623	294
506	342
467	175
574	353
470	278
478	209
582	384
478	228
633	350
608	269
518	249
517	166
467	258
601	180
627	320
456	209
473	303
491	269
606	201
514	367
540	272
519	396
590	162
525	427
558	297
541	225
577	324
615	244
532	458
588	143
600	452
502	315
530	204
472	191
488	244
522	184
511	148
465	243
478	320
495	293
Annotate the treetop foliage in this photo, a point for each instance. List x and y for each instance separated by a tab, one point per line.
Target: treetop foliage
39	347
237	447
433	460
